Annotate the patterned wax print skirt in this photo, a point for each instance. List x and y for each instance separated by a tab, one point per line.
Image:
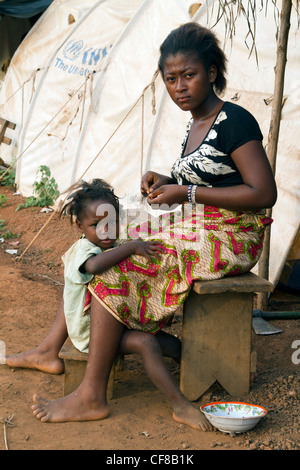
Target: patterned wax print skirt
199	244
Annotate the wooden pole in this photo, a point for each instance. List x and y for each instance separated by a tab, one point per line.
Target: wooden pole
285	15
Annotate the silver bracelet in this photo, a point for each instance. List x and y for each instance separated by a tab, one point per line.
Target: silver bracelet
193	194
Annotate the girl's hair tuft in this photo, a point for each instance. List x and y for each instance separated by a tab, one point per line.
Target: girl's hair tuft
83	193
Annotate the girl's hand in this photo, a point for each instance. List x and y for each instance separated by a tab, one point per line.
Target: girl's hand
168	194
148	249
151	181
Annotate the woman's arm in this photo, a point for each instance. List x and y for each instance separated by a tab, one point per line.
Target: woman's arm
99	263
258	190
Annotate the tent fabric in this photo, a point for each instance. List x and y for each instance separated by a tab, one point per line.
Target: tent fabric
23	8
83	99
29	65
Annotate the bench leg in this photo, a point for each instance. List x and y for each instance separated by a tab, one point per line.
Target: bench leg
74	373
216	343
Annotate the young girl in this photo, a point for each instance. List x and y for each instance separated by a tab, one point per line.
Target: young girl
95	209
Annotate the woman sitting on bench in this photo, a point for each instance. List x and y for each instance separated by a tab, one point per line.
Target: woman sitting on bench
222	182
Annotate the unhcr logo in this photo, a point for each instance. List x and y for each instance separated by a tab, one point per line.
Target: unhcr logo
90	55
72	50
77	51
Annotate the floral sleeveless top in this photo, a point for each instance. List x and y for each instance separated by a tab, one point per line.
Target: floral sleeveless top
211	163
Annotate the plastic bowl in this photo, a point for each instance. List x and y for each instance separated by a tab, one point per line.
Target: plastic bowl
234	416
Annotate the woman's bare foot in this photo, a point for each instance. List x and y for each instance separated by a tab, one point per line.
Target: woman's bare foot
38	359
78	406
192	417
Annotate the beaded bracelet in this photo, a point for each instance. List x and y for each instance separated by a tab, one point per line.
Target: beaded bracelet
189	193
192	194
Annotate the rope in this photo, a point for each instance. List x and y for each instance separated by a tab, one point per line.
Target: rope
33	74
152	85
18	258
153	91
83	107
45	127
142	135
22	111
33	77
120	124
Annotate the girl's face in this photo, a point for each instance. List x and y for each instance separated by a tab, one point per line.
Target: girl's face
188	83
99	222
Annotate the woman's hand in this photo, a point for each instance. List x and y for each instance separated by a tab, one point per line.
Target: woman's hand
168	194
148	249
152	180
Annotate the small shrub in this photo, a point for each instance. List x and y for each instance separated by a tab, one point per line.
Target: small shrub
9	178
45	190
3	199
8	234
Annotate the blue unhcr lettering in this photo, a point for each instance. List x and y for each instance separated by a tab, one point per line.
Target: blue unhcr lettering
72	50
93	56
72	69
90	57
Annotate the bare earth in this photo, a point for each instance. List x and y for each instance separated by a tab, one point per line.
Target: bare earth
140	416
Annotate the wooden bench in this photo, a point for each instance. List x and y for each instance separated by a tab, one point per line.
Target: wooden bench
216	339
75	364
4	124
216	336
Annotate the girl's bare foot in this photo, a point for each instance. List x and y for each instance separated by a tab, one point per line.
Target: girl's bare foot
78	406
193	417
38	359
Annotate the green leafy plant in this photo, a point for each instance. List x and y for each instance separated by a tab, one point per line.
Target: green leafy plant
9	234
9	177
3	199
45	190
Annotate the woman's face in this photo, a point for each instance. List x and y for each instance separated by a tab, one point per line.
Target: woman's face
187	81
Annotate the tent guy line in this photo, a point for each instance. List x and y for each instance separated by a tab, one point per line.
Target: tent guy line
43	129
141	97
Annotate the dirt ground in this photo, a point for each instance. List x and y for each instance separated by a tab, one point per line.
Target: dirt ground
140	416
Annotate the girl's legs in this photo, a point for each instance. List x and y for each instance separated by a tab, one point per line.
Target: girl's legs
45	356
149	348
170	345
88	402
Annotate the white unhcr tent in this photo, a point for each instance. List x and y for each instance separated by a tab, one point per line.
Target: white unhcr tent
81	90
43	50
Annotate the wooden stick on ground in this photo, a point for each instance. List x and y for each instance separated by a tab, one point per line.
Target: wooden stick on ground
7	422
39	232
